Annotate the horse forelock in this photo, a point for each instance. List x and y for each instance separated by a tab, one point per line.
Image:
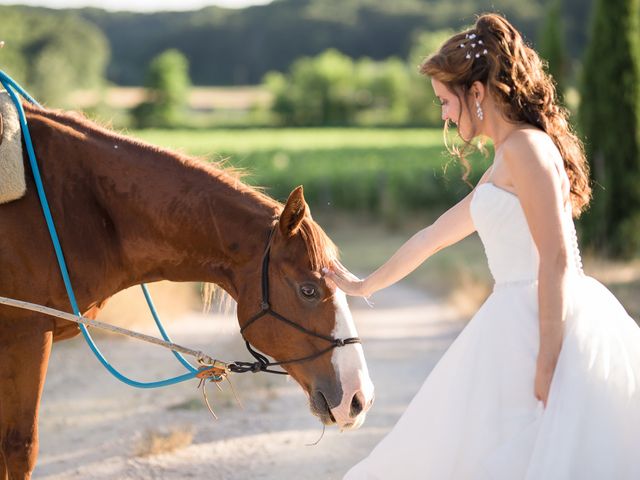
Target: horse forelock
321	249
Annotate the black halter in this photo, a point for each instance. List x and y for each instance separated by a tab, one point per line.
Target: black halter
262	364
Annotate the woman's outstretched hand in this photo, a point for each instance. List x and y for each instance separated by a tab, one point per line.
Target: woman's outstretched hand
345	280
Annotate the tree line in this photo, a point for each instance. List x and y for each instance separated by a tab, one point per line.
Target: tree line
238	47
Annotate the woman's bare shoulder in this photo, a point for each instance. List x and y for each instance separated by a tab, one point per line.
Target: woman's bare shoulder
533	142
524	135
532	150
529	137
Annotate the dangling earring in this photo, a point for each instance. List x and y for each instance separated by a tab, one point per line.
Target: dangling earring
479	111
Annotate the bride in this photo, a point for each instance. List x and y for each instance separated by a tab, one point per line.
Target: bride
544	381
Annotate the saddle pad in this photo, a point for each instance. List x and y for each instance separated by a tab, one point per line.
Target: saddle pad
12	180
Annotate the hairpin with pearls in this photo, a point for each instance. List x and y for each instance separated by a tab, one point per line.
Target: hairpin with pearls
472	39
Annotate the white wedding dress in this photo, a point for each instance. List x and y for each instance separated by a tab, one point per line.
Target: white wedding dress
476	416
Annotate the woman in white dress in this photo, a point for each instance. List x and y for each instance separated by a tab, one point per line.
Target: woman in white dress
544	381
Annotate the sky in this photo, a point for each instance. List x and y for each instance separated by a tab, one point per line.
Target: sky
137	5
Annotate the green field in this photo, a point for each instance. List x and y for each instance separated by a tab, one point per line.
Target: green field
208	142
388	172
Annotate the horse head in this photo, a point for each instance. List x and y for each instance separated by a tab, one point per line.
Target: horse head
302	319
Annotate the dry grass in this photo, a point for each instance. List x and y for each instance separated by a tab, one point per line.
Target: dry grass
155	442
468	294
129	309
622	278
200	98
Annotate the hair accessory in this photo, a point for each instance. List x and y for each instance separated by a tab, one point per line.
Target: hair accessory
474	44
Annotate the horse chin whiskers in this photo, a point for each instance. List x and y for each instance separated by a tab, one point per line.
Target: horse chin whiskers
320	407
325	418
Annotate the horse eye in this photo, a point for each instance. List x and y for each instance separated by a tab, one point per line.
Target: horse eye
308	291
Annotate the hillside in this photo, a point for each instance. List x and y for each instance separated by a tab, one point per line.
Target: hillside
237	47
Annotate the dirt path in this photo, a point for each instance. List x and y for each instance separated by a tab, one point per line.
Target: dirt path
93	427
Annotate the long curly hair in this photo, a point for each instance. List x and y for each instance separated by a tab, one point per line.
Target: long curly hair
513	74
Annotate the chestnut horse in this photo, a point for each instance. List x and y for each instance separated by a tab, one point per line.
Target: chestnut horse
129	213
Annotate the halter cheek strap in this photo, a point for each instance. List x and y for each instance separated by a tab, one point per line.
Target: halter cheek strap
262	364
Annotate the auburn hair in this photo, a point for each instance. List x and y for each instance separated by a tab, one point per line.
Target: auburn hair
514	75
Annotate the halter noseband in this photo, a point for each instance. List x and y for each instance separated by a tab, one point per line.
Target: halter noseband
263	364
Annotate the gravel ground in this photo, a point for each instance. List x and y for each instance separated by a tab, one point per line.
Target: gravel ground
93	427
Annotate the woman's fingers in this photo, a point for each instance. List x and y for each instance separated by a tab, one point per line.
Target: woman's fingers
344	273
344	270
335	278
338	266
348	285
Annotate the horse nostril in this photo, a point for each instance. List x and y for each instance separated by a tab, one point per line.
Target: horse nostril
357	405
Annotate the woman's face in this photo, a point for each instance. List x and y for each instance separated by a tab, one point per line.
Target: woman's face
451	109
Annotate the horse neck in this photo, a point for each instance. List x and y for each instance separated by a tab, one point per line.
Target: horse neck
164	216
190	222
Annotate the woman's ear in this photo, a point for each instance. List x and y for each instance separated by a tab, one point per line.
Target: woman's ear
478	91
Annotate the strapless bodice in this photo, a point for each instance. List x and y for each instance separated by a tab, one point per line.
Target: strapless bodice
509	246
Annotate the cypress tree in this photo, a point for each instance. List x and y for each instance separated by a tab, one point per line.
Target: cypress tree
610	121
552	45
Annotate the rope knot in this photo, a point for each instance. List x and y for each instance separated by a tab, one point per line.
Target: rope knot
256	367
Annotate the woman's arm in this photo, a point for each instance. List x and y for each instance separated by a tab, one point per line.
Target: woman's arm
535	176
451	227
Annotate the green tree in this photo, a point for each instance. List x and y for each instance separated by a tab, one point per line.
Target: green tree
332	89
423	109
317	91
12	59
50	75
382	91
610	120
52	54
167	86
552	45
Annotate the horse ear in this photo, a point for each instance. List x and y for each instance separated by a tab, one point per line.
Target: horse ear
293	213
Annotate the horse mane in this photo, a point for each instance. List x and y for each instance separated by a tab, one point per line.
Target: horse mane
321	249
224	172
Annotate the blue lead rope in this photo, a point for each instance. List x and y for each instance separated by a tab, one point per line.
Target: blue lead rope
11	87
